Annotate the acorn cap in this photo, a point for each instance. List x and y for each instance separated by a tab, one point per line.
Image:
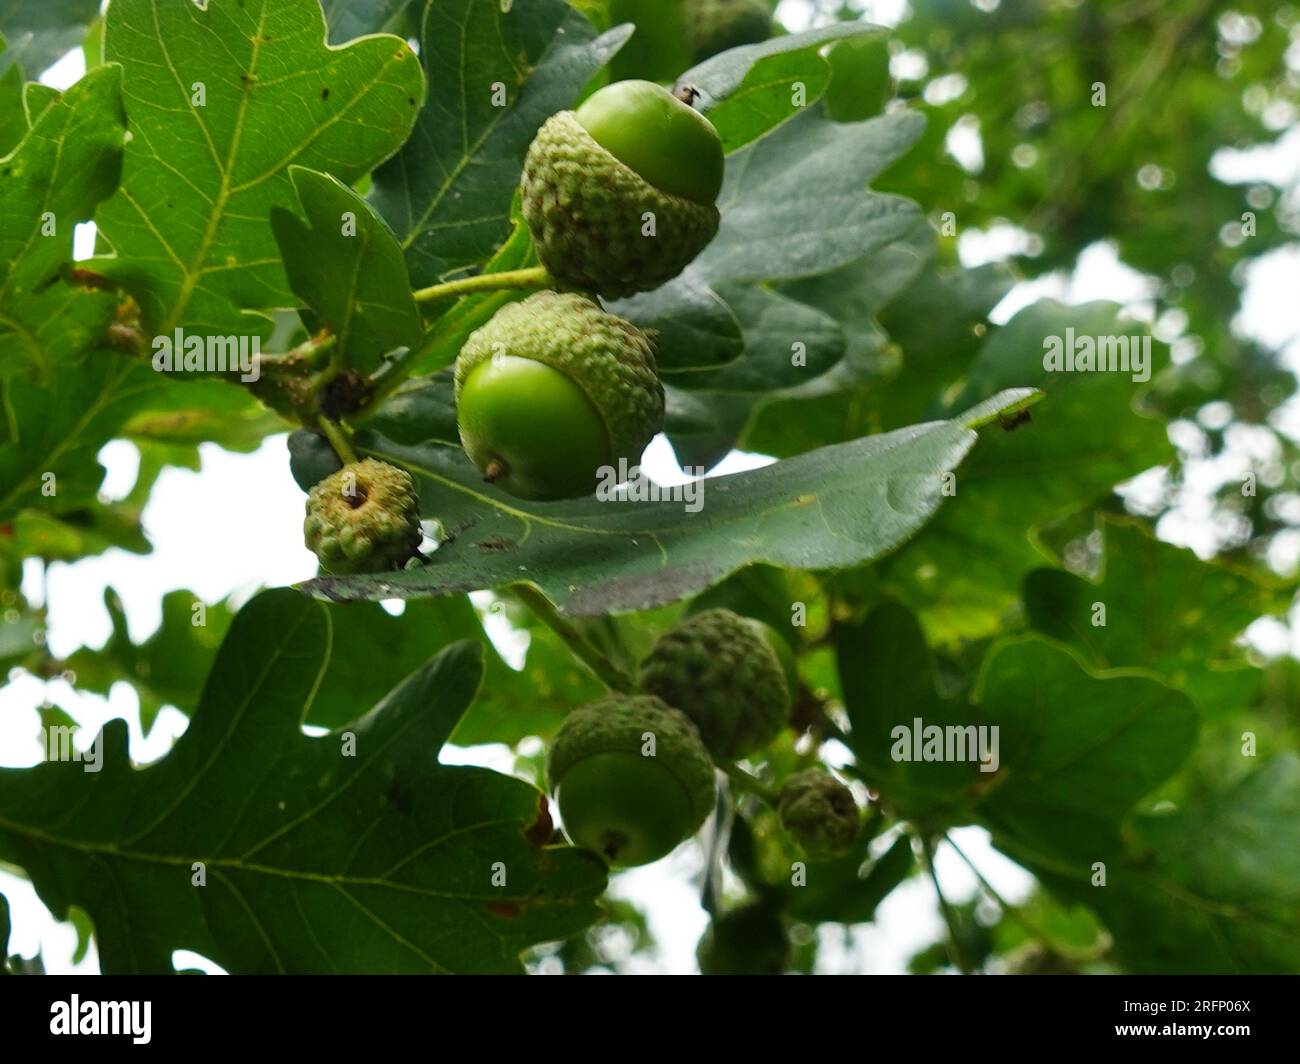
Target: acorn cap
717	668
820	812
616	724
364	518
610	359
586	210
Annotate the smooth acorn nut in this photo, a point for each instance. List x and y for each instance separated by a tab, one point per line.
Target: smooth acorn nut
713	26
619	194
723	671
365	518
552	390
631	778
820	813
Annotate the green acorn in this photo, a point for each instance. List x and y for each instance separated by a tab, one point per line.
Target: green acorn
748	940
726	673
551	390
713	26
628	798
820	813
365	518
620	194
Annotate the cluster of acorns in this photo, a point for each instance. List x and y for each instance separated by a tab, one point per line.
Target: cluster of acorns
633	774
620	197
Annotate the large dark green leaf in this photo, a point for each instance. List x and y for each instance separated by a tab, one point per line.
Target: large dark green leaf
1078	751
1165	610
1075	751
795	204
53	179
316	861
447	193
838	507
189	222
1209	888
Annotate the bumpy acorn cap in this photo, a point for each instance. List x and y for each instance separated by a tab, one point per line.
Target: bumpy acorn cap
717	669
819	811
610	359
713	26
615	725
585	209
363	519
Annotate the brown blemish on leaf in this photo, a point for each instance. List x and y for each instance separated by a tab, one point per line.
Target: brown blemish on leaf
89	278
1011	422
494	545
539	832
506	909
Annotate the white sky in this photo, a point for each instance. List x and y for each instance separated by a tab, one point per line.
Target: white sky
195	546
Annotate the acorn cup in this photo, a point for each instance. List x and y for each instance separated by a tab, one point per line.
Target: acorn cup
820	813
630	805
551	390
732	676
620	194
364	518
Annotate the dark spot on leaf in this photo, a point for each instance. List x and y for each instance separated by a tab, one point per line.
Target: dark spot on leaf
494	545
507	909
1011	422
325	94
539	832
399	798
411	100
450	535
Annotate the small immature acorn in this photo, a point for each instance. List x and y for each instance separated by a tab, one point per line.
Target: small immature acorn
748	940
727	674
820	813
365	518
628	805
632	155
713	26
552	389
